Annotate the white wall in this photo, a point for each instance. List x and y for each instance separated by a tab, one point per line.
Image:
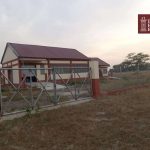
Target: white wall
79	62
59	62
6	74
15	75
39	75
94	65
63	76
9	55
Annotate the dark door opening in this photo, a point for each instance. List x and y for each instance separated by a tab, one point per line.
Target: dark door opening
10	75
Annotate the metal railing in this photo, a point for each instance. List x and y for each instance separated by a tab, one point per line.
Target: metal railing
26	89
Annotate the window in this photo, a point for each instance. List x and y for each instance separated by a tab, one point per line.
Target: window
104	71
80	68
66	68
62	69
42	69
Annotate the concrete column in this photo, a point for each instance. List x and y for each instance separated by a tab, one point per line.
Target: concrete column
94	65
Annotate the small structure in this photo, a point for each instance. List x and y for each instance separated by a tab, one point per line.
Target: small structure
103	66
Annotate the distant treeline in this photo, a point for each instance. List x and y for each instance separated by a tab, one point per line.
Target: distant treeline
133	62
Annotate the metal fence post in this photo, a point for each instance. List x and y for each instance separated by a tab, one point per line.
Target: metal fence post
31	91
1	102
54	86
75	88
90	80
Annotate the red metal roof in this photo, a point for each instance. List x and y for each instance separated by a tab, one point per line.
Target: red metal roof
36	51
101	62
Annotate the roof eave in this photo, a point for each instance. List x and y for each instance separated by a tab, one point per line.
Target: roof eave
77	59
105	65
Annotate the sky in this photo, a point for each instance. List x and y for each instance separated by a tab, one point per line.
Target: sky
98	28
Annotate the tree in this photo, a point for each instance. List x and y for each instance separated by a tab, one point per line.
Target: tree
117	68
140	60
127	64
130	56
133	62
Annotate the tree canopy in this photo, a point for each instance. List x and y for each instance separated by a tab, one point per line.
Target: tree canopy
133	62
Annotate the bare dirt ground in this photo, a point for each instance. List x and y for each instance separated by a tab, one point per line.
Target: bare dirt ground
109	123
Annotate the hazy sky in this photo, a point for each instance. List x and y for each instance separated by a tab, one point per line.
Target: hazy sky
98	28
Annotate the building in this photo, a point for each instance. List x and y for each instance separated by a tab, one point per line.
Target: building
34	56
103	66
40	57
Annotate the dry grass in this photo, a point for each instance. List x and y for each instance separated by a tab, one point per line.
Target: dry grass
127	79
111	123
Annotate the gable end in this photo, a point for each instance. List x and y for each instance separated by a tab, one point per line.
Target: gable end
9	54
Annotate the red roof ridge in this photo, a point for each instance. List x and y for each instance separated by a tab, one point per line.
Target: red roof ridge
40	45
